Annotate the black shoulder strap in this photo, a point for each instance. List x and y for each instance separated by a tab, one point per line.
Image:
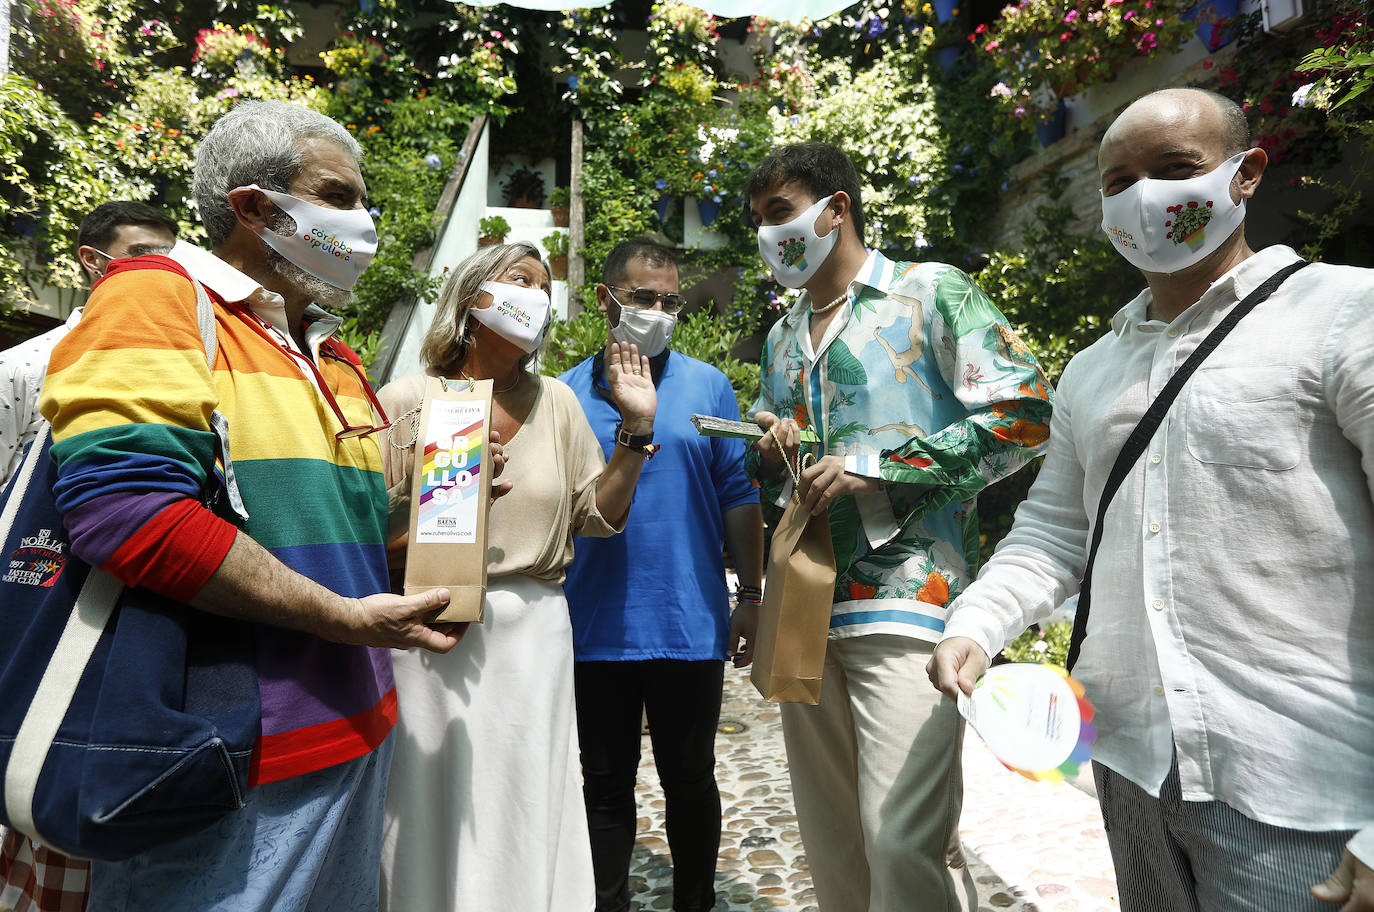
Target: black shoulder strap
1139	438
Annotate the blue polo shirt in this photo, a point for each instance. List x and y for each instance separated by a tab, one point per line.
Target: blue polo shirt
657	590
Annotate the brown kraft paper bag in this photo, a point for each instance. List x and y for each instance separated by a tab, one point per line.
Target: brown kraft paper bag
450	496
794	622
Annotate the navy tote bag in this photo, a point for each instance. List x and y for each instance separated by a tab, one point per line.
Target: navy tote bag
127	720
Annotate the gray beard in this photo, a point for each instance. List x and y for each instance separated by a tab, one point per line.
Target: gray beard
296	278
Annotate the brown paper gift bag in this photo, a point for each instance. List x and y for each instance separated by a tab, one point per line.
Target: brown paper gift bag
794	623
450	496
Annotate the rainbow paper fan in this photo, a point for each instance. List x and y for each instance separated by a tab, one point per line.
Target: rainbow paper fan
1034	718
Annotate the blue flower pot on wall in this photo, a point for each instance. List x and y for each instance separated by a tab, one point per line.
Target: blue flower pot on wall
947	57
661	206
709	210
944	9
1215	22
1051	131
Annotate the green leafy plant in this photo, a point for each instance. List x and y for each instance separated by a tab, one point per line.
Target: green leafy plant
570	342
523	187
560	198
1305	93
556	243
1047	644
493	226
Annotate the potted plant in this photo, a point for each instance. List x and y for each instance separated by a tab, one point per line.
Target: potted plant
557	246
524	189
559	201
492	230
1049	52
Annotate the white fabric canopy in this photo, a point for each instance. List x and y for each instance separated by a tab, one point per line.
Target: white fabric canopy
783	10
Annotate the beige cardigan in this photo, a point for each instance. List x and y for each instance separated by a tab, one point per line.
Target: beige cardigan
554	462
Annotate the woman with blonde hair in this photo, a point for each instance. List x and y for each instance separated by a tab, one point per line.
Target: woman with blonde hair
484	809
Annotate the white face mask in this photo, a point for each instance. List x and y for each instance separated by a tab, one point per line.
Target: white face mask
333	245
1168	225
794	251
651	330
518	314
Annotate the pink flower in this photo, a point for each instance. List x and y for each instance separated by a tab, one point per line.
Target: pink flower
1128	15
1206	64
1065	36
992	45
1019	112
1071	15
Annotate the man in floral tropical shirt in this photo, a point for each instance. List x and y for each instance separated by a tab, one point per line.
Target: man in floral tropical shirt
922	396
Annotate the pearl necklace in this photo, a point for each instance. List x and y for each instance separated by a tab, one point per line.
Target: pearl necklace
817	311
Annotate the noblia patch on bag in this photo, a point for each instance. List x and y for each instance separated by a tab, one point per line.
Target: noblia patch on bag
38	561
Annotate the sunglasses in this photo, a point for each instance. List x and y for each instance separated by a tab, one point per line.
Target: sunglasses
645	298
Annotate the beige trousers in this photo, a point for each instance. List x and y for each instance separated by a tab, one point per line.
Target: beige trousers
877	782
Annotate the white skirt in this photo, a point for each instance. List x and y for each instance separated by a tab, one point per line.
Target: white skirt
484	810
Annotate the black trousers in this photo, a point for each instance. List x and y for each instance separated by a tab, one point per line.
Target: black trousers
682	700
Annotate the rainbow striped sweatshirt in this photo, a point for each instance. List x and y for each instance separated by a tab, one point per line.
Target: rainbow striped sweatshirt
130	396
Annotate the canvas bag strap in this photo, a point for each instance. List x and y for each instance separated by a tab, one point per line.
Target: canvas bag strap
205	318
89	616
1139	439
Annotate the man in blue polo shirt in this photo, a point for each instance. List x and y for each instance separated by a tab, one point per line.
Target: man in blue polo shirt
650	612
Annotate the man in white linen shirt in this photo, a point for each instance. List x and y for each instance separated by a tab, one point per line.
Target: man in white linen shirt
121	228
1230	645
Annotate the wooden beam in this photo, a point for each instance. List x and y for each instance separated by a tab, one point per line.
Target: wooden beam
576	265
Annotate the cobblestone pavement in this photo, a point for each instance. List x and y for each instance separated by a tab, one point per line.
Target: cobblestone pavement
1032	846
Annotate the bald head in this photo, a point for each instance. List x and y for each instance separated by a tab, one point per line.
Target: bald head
1172	134
1164	108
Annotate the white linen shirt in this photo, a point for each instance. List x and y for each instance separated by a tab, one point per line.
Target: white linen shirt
22	369
1233	595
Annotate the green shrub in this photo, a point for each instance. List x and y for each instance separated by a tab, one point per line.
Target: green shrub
556	243
1047	644
493	226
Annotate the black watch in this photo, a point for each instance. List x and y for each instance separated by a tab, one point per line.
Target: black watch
633	441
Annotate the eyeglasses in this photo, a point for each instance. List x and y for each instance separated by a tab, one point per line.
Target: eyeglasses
350	431
645	298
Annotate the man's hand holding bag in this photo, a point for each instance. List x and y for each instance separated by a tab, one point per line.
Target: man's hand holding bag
794	622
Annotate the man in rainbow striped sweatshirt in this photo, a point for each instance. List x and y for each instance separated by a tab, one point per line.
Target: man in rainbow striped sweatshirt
131	399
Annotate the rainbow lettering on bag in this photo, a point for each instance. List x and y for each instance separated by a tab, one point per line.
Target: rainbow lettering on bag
451	468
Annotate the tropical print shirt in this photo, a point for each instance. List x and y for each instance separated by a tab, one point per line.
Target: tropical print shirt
920	382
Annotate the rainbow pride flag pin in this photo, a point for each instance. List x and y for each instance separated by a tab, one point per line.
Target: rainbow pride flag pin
1034	718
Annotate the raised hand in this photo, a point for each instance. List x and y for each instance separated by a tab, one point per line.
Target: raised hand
632	387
